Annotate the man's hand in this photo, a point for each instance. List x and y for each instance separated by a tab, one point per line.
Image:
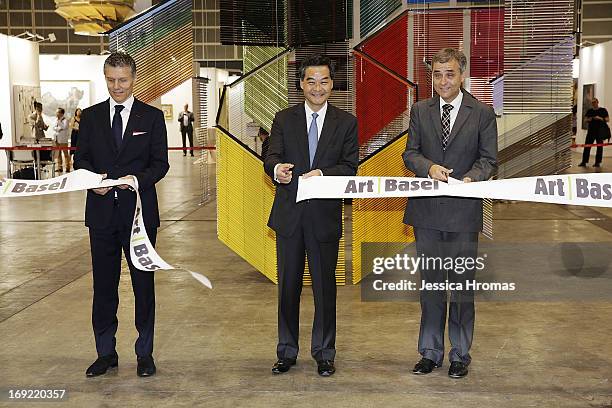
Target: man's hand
283	173
126	186
313	173
467	179
102	190
438	172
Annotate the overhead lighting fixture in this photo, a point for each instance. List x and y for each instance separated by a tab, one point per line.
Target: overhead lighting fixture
50	38
93	17
27	34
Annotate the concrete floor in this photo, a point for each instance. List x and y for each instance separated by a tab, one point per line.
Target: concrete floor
216	348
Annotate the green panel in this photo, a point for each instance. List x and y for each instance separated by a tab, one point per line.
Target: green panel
374	12
265	92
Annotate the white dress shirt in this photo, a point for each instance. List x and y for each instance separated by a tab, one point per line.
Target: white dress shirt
186	119
320	118
125	113
60	131
456	105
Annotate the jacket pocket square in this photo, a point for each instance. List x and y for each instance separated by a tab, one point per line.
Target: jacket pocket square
138	133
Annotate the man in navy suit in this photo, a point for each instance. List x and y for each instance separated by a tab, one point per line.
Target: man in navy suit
310	139
121	138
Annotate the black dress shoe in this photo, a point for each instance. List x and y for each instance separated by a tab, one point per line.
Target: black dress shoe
582	165
597	165
326	368
457	370
102	365
283	365
424	366
146	367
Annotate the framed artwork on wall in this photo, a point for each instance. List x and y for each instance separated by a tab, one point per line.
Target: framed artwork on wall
68	95
24	98
588	94
167	109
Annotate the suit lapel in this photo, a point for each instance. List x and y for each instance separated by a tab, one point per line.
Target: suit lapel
135	114
436	118
302	134
464	113
327	133
105	125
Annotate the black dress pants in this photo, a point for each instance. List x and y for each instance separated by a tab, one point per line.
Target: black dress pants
106	246
189	133
586	153
322	259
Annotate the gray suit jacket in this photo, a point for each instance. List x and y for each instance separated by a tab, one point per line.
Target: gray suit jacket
471	152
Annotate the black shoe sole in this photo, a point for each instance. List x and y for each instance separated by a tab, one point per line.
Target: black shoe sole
111	368
458	376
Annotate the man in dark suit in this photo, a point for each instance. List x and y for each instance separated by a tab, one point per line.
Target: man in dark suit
121	137
309	139
452	133
186	120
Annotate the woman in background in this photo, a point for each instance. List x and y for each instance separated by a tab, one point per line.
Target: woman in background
74	125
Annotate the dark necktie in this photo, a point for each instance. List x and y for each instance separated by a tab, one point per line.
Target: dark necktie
313	137
117	126
446	127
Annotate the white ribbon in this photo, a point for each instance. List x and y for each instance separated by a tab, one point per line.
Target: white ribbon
592	189
142	252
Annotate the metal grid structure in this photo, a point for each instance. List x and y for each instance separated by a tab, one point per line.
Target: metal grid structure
343	94
538	53
265	92
242	106
153	39
374	12
203	138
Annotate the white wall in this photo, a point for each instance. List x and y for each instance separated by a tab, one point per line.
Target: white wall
76	68
18	66
6	117
177	97
218	78
595	66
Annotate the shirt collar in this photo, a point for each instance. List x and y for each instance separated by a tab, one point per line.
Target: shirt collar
455	102
321	111
127	104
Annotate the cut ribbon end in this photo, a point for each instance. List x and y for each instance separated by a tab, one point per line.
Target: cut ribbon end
202	279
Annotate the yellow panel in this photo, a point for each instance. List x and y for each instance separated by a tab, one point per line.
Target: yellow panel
244	199
380	219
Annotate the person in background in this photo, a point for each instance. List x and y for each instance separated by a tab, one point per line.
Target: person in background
186	120
60	135
38	124
598	131
264	136
74	125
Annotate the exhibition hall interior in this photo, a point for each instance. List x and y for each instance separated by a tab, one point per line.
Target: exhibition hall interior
160	244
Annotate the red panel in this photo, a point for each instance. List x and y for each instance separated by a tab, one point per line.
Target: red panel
433	31
380	97
486	51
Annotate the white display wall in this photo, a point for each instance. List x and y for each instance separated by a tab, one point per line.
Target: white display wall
595	67
18	68
175	101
